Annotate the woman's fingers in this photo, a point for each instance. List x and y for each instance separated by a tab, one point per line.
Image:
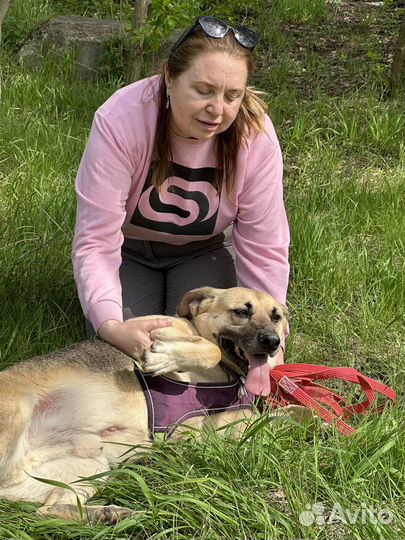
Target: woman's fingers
154	324
132	336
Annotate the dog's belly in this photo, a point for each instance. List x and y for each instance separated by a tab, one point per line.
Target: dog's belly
83	414
72	430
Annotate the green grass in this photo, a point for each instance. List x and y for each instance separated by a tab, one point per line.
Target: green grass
344	159
44	127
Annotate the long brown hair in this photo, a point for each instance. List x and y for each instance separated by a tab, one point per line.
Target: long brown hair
227	144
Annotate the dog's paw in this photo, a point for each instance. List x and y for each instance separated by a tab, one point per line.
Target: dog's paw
109	515
160	359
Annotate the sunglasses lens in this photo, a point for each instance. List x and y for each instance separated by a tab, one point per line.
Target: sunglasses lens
246	37
214	28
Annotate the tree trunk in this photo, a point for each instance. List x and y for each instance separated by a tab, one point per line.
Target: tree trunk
4	5
136	51
397	76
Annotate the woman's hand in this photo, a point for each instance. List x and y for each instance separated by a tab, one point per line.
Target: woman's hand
132	336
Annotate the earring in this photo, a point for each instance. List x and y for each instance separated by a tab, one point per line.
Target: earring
167	100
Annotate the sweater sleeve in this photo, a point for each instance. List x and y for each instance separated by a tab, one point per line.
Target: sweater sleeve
261	233
102	186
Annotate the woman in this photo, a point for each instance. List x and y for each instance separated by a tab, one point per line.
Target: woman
171	163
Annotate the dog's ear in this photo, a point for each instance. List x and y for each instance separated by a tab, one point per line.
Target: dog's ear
193	301
285	311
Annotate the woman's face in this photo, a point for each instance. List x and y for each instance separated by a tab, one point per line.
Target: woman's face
205	99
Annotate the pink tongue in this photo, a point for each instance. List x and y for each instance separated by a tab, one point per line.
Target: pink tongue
258	380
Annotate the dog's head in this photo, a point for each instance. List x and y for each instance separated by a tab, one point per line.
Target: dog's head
246	325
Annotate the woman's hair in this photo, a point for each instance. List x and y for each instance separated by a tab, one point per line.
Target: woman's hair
250	116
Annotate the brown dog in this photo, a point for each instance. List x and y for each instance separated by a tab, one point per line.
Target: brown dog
61	414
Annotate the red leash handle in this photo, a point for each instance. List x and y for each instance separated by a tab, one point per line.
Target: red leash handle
292	383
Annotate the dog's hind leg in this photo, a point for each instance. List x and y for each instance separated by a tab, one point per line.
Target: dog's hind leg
16	405
69	503
86	514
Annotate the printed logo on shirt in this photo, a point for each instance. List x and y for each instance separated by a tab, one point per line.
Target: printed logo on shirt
187	203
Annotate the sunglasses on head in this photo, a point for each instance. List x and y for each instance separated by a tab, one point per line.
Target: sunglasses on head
217	29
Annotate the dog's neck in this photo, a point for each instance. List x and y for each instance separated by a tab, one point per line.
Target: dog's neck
212	375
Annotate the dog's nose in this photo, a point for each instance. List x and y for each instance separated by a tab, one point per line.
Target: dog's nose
269	341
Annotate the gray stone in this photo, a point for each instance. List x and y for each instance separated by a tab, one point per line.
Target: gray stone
84	36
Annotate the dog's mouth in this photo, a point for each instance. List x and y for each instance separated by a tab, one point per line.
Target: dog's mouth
252	366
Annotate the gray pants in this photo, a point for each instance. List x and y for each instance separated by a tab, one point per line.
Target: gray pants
154	275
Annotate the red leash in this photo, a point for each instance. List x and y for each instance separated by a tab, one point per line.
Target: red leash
292	384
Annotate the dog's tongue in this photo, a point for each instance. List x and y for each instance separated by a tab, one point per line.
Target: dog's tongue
258	380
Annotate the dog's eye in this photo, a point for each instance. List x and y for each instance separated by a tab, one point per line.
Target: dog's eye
244	313
276	317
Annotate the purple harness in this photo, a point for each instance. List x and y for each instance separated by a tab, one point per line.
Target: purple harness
172	402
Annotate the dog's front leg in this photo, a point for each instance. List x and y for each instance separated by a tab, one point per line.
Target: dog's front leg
181	354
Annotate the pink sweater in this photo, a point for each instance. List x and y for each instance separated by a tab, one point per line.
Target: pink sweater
115	199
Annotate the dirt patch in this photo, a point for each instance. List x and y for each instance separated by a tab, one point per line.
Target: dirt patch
351	49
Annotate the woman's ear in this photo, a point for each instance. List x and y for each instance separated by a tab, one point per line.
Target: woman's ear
168	79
